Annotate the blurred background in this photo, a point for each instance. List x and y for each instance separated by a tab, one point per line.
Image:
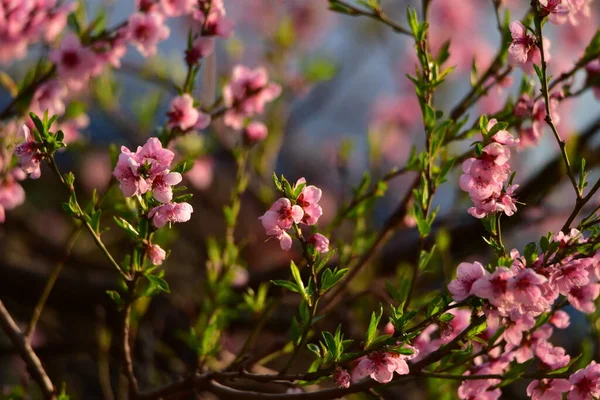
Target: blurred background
346	108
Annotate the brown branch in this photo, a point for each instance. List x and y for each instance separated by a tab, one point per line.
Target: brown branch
34	365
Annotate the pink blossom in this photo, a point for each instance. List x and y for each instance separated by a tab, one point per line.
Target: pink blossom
479	388
548	389
176	8
552	356
578	8
308	199
525	286
560	319
74	62
282	215
573	274
12	194
201	174
523	106
246	94
466	275
502	136
478	187
522	44
389	329
128	175
170	213
155	254
586	383
524	351
157	158
29	155
49	96
449	330
582	298
320	242
25	22
110	51
255	132
285	240
211	15
380	366
519	323
183	115
161	185
555	10
145	30
494	287
341	377
201	47
147	5
147	168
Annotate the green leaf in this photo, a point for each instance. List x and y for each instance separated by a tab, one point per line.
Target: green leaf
530	253
446	317
435	306
483	123
477	329
304	313
156	285
425	257
115	296
593	48
443	53
126	226
329	278
373	324
324	260
298	278
314	348
287	285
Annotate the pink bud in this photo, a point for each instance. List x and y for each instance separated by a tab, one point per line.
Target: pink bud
255	132
155	254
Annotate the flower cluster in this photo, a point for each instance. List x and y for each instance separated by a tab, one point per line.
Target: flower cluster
515	296
484	176
246	94
283	214
25	22
148	169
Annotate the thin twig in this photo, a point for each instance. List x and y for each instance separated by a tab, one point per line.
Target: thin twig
375	13
34	365
544	81
89	227
37	311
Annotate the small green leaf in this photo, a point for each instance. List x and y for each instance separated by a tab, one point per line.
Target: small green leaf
126	226
157	285
373	324
287	285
